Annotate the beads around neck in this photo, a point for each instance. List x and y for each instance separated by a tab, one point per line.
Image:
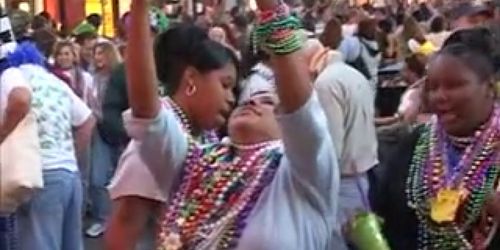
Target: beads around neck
431	171
186	124
216	195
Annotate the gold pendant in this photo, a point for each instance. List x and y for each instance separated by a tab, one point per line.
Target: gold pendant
444	206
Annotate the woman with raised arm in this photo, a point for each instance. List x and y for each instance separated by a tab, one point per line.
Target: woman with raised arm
269	187
203	101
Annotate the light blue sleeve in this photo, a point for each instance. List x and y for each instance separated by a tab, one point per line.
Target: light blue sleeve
350	47
163	145
310	151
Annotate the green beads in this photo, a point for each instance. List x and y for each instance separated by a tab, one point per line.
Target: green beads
281	36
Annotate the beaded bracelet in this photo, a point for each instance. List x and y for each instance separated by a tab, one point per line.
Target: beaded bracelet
277	31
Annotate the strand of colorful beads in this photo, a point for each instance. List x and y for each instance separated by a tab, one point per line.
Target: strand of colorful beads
186	125
217	192
277	30
430	173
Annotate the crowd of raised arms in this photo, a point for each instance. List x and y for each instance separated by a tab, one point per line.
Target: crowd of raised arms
280	126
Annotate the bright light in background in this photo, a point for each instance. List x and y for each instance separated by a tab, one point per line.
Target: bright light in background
24	6
105	9
252	4
124	6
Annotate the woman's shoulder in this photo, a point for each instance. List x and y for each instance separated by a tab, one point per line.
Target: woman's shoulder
11	78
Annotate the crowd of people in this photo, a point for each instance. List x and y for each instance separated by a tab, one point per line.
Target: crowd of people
254	129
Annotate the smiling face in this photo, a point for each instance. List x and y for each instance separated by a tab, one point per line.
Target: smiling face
254	120
87	48
100	58
65	57
458	95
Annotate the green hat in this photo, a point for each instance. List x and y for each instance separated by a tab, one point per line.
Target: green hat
84	27
158	19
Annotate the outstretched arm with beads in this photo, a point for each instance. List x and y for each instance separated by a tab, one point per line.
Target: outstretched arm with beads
292	78
311	155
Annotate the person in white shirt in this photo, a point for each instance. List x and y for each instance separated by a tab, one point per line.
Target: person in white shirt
348	101
15	98
51	220
362	51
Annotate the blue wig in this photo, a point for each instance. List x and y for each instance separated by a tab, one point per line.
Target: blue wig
25	53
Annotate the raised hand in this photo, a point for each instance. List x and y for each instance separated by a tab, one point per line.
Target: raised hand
141	72
277	34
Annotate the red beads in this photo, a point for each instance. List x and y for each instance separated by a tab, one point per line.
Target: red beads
214	189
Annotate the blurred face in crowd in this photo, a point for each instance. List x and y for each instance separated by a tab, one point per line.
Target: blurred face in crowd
65	57
106	56
100	58
86	50
332	35
217	34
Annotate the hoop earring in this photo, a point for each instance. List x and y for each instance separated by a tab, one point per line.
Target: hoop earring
191	90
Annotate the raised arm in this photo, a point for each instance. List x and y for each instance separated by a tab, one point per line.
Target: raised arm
141	72
310	153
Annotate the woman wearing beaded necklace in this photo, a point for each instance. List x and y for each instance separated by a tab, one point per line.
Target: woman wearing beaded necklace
247	194
201	101
436	193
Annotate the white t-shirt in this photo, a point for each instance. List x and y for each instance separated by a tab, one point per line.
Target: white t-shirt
58	111
9	80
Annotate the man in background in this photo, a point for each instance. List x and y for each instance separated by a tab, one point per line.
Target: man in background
86	42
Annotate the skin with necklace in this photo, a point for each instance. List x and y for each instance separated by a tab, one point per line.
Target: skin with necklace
441	181
239	194
210	78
